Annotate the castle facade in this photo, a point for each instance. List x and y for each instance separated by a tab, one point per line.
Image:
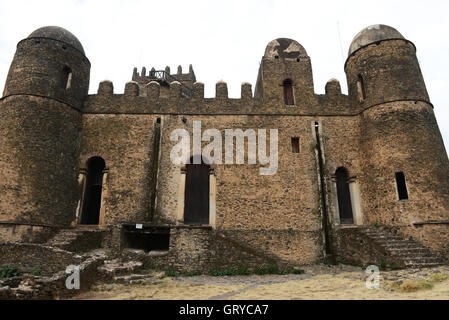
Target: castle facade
374	157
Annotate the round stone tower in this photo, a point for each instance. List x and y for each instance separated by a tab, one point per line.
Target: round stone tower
40	126
405	182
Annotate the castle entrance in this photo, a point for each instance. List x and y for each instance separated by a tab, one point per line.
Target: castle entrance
196	205
92	195
344	197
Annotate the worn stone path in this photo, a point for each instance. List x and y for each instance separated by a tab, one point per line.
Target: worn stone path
319	282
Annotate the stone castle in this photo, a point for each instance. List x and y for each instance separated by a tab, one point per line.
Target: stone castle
361	177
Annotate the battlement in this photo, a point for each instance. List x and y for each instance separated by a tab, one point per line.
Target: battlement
165	78
169	97
152	89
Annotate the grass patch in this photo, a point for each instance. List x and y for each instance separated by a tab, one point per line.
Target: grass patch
260	270
148	266
8	272
192	273
412	286
417	285
438	277
171	274
298	271
36	271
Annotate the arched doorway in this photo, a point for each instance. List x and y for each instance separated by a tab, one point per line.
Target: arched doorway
344	197
196	200
92	193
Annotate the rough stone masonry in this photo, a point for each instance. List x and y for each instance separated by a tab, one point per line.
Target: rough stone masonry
374	157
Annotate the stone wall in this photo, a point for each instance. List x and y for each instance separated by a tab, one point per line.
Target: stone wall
201	249
39	140
125	143
11	232
30	258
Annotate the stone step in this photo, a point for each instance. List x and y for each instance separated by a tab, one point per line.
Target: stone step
387	238
410	252
117	268
399	244
56	240
416	249
73	239
423	265
130	277
154	277
408	255
421	260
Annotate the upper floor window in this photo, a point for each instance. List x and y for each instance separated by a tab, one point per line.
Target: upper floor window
295	145
361	88
288	92
401	185
66	78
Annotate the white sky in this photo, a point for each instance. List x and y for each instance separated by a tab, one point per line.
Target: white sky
225	40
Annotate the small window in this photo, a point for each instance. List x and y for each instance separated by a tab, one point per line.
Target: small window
295	145
361	88
66	78
288	92
401	185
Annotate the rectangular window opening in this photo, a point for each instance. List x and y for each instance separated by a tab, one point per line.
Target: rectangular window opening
402	186
361	88
154	240
66	78
295	145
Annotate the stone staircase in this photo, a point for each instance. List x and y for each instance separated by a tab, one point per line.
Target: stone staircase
411	253
80	239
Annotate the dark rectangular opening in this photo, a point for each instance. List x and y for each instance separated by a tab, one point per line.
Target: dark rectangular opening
147	240
401	185
295	145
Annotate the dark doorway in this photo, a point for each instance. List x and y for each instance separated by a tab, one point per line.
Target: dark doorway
344	197
196	203
92	194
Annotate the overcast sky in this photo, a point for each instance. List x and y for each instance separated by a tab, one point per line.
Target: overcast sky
225	40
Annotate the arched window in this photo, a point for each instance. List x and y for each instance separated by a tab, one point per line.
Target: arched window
66	78
361	88
92	193
196	205
344	197
288	92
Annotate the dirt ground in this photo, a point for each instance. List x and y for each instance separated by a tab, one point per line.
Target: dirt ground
318	283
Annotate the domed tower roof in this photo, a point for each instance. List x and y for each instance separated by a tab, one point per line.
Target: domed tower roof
373	34
59	34
284	48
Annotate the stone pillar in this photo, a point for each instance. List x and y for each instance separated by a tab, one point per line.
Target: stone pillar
82	179
212	193
104	192
336	212
354	191
181	195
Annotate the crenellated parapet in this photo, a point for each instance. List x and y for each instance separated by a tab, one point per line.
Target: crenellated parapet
155	97
165	78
